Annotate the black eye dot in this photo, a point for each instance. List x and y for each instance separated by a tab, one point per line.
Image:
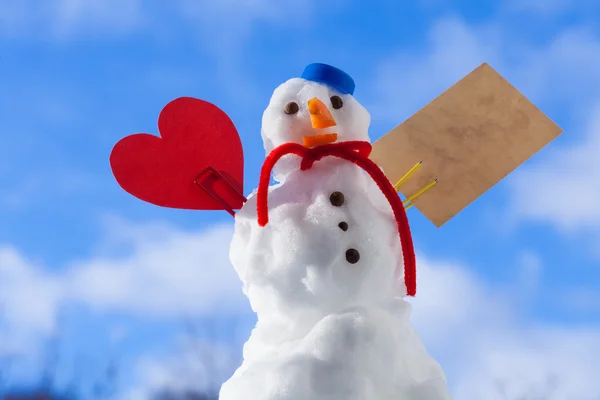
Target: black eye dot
352	256
343	226
337	199
336	102
291	108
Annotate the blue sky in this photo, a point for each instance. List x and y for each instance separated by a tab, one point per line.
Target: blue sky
514	279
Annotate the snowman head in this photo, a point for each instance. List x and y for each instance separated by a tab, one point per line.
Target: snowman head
316	109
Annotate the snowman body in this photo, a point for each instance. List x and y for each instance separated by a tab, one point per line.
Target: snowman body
324	277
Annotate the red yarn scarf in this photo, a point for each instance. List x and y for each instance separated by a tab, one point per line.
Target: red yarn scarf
356	152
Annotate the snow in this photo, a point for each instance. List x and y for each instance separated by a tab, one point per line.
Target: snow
327	329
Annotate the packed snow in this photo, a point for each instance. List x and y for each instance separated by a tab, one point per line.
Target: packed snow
325	277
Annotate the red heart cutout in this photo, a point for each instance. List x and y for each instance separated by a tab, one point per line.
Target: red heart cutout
195	135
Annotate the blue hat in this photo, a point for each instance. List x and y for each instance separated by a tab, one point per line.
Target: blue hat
329	75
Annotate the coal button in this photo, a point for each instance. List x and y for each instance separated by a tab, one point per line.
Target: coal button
337	199
343	226
352	256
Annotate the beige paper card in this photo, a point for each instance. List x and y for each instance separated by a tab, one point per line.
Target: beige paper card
469	138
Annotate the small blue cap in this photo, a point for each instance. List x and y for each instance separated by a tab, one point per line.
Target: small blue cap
331	76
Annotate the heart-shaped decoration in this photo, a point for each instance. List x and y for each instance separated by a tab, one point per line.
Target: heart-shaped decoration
195	137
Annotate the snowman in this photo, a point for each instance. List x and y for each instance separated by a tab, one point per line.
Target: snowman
325	254
326	259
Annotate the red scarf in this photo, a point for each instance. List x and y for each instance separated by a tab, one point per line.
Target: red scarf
356	152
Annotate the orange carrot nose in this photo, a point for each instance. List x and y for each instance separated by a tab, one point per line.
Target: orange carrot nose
320	116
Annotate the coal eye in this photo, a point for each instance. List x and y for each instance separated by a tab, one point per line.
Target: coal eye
291	108
336	102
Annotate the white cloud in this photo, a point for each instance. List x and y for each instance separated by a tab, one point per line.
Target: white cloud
225	28
584	300
557	186
524	361
61	18
449	298
164	273
407	81
561	188
239	15
29	299
548	8
167	273
193	365
561	72
531	272
222	22
483	336
28	294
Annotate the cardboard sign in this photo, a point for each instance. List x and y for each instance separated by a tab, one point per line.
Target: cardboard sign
468	138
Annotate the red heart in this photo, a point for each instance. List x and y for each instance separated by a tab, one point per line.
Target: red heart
195	135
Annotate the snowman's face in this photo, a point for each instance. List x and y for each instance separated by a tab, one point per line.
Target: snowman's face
321	251
311	114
